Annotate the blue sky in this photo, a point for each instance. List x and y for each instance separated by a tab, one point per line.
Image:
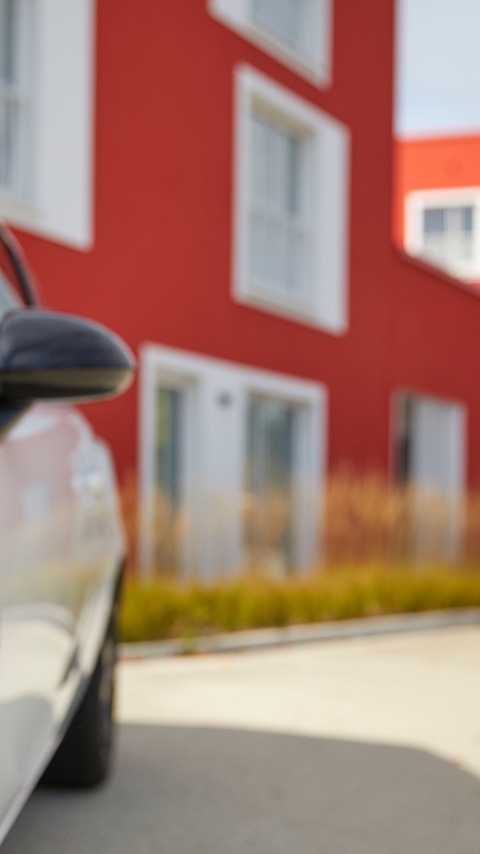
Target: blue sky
438	67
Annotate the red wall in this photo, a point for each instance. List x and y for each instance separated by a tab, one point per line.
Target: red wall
160	267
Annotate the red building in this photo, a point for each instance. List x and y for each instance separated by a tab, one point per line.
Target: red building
213	179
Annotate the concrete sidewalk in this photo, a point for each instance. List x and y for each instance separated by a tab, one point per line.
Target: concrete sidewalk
419	690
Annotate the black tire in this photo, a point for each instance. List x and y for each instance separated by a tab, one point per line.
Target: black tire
83	757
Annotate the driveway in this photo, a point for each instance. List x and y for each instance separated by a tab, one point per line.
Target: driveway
358	746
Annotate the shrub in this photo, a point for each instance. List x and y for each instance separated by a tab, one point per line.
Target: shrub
162	609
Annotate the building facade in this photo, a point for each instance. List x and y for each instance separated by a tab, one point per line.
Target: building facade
213	179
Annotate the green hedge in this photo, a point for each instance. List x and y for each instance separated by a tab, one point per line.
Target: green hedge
160	610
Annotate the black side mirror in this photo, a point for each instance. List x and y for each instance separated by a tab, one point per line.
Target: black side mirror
45	355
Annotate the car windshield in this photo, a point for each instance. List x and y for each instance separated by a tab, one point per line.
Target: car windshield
10	289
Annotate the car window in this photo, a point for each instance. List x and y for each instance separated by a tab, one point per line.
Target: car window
10	294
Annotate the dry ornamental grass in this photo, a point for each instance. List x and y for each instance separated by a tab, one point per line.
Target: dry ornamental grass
384	551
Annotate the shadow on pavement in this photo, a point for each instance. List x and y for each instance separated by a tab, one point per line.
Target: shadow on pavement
216	791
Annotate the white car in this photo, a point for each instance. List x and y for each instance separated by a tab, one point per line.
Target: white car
62	546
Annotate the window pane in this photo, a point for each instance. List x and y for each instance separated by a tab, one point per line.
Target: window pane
280	242
15	105
290	20
7	40
168	416
295	200
448	236
434	221
404	441
168	498
269	473
467	219
430	455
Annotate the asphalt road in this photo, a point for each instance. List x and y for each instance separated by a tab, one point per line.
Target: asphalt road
212	787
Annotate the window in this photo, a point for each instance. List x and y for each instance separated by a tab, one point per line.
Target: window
46	117
430	459
291	205
236	457
297	32
443	227
16	105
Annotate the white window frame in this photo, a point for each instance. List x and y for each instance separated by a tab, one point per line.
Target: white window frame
315	65
22	95
329	144
60	204
417	201
215	445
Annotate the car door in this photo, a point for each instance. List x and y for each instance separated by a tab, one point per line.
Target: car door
40	584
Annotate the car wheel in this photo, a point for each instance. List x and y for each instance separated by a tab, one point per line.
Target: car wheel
83	757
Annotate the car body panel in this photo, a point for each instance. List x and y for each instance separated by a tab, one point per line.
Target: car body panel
62	545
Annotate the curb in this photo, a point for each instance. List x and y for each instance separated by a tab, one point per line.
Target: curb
258	639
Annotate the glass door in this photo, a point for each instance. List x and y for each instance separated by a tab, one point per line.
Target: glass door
431	465
269	475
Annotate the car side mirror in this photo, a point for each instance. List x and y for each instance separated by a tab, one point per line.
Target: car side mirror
46	355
